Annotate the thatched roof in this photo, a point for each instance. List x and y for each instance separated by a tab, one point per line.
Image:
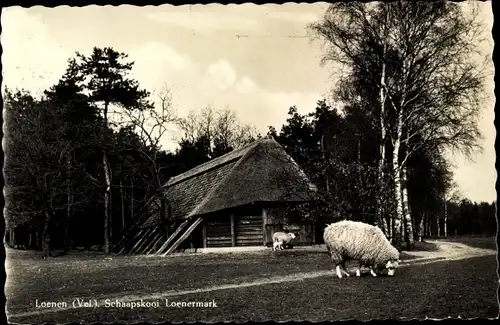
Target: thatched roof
260	172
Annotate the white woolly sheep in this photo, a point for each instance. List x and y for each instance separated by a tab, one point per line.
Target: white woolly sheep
352	240
284	238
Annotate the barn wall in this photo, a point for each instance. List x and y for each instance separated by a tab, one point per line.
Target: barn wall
234	228
248	230
218	230
246	226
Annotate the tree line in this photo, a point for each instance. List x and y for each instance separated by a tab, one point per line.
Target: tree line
82	160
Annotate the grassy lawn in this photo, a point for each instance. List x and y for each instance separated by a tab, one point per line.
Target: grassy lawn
440	289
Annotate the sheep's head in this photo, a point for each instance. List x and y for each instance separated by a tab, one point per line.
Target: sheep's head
391	266
292	235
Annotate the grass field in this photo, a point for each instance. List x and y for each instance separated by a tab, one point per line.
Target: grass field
296	285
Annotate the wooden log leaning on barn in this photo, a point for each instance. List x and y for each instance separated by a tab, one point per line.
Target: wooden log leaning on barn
184	236
158	236
152	240
144	241
138	242
172	237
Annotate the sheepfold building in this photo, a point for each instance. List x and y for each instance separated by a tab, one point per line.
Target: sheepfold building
236	201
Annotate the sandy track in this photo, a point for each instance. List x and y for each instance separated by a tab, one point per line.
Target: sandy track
452	251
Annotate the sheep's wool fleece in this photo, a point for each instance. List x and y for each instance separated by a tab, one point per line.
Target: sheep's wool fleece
282	237
353	240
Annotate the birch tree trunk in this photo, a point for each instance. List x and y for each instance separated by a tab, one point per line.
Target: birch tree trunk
106	203
381	162
122	204
397	235
107	190
445	219
407	211
421	227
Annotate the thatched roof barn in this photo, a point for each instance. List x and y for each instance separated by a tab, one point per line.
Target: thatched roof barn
226	202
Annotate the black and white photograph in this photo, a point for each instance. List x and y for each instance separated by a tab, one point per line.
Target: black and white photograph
243	162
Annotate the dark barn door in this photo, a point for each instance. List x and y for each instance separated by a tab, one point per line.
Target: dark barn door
249	230
219	231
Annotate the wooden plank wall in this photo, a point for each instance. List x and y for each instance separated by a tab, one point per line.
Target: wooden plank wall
248	230
234	230
218	231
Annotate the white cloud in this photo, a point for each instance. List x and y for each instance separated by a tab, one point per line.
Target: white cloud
31	59
204	21
158	63
245	85
222	74
220	85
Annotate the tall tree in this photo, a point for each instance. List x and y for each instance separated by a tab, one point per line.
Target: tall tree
103	75
421	56
80	127
348	30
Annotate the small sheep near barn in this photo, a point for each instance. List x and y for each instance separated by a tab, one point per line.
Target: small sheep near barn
352	240
281	239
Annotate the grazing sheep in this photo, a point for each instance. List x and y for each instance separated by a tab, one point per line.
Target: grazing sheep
284	238
351	240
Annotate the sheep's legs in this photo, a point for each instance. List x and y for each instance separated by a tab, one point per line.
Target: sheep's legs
358	270
339	273
373	272
277	245
341	270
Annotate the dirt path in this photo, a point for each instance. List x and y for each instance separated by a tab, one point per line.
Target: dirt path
450	251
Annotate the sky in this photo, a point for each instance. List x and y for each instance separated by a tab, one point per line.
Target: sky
256	60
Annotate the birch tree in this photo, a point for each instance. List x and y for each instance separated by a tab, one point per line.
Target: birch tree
438	89
433	87
346	29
